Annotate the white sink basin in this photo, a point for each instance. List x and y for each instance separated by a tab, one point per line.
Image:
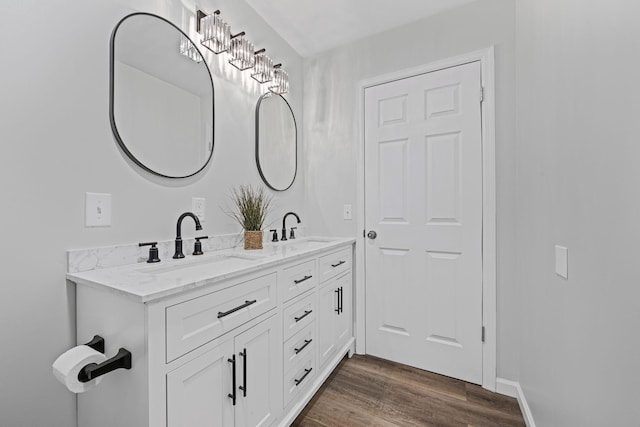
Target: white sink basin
302	244
319	239
232	259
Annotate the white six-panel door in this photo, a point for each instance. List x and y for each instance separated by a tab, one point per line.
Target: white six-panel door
423	198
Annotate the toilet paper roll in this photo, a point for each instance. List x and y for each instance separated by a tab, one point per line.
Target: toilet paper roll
68	365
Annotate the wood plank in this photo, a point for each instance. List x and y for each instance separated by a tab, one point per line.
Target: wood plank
369	391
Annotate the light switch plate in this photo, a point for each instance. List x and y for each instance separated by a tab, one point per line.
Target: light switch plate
97	210
562	261
348	212
198	207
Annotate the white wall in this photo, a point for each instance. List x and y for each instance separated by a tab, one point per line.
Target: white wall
56	144
579	186
331	134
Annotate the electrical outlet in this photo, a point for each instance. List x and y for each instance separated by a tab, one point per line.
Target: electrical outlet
347	212
198	207
97	210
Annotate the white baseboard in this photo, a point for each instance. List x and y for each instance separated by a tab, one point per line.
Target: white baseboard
507	387
513	389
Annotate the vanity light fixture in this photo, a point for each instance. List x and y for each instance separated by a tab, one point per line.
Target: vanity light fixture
263	67
280	80
242	52
216	33
216	36
189	50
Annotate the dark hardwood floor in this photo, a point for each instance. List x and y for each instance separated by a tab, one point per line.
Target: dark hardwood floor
368	391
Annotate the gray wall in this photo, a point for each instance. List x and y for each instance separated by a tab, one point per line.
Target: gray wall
578	186
331	134
56	144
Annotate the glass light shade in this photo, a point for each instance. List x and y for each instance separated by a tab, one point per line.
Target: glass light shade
216	34
280	81
242	53
189	50
263	68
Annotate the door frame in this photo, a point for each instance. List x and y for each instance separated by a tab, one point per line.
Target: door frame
489	258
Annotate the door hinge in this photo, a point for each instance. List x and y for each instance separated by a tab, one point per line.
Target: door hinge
483	334
481	93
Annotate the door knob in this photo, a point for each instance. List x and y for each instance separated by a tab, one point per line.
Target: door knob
372	234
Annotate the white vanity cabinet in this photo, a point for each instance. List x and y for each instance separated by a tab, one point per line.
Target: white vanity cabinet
247	349
335	318
260	354
200	392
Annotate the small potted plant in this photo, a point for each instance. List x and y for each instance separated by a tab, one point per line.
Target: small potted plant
251	206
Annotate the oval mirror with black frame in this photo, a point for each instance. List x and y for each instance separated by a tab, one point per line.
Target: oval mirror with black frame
161	97
276	142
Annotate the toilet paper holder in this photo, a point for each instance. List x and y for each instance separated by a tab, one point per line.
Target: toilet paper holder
93	370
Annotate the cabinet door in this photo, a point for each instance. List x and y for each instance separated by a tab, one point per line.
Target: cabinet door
197	392
344	323
327	314
259	367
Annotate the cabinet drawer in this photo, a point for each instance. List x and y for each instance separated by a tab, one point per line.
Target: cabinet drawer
195	322
334	264
299	378
299	346
297	280
298	315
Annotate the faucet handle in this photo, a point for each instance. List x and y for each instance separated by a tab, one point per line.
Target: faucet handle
292	235
153	251
274	237
197	247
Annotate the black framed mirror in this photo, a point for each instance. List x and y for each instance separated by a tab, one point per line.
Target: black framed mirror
161	97
276	142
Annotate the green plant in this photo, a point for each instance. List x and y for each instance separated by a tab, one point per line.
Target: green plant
251	206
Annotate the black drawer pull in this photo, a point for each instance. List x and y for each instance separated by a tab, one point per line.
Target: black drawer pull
306	343
306	372
306	313
338	264
233	310
302	280
232	395
243	387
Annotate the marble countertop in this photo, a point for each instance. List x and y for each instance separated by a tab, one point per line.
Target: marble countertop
145	282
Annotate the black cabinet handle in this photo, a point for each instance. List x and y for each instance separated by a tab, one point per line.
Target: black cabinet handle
338	264
243	387
302	280
232	395
306	343
306	313
337	291
233	310
306	372
341	299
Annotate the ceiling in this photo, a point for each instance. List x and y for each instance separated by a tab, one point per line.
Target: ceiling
312	26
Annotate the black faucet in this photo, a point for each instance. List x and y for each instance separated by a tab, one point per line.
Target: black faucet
179	253
284	227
